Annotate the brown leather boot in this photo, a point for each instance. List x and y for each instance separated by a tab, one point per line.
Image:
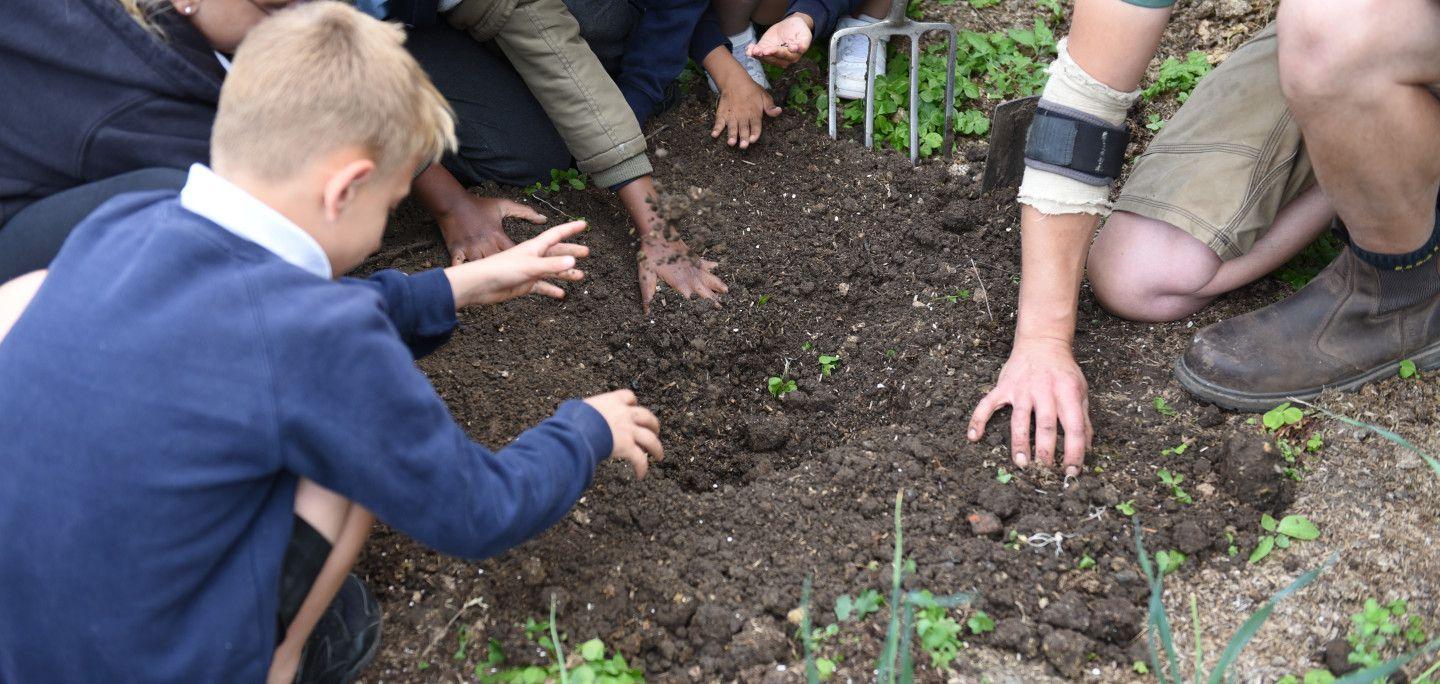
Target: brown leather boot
1352	324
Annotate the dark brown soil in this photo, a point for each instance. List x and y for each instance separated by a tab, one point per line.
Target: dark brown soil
691	573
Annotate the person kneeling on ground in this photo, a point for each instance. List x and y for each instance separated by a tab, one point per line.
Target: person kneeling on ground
195	401
1329	111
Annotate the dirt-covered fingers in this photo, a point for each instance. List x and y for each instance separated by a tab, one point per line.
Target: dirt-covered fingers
1075	420
1020	413
980	417
1046	430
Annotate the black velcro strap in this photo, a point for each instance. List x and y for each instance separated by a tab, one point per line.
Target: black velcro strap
1076	145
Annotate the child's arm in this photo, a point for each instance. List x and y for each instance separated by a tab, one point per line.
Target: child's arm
662	253
357	417
784	43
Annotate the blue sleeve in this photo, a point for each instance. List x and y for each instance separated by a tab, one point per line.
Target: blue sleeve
358	418
707	37
656	52
825	13
422	306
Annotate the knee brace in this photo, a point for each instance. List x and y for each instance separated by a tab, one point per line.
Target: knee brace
1076	144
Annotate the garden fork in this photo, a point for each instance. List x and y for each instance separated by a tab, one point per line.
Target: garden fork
897	24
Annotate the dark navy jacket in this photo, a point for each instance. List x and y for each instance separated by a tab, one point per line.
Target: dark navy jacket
158	400
87	93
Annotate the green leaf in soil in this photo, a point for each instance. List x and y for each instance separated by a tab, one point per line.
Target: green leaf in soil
1298	527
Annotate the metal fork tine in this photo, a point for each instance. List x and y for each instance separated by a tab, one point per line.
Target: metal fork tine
914	97
834	59
949	98
870	71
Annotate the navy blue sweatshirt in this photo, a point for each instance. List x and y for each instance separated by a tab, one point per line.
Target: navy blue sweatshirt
672	30
162	393
87	93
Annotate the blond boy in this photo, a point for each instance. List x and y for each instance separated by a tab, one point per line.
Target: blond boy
191	400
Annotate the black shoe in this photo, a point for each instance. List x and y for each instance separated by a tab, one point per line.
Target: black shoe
346	638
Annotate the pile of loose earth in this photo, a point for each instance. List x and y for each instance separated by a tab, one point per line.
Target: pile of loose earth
909	277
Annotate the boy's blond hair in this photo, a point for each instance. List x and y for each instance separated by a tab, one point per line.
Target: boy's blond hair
320	77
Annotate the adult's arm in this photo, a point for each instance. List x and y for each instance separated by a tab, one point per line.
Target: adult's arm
1110	42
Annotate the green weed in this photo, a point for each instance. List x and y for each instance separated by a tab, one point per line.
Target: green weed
1164	408
828	362
1291	527
593	668
1173	480
1177	76
1154	122
1303	267
1003	476
1281	416
779	386
560	178
1126	508
1408	370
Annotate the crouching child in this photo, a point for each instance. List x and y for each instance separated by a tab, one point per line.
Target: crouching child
197	419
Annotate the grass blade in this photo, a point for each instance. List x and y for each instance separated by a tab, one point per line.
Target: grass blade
1195	627
892	638
807	638
555	641
1383	671
1247	631
1157	618
906	669
1391	436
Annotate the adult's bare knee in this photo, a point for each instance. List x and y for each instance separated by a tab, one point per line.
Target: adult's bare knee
1328	49
1146	270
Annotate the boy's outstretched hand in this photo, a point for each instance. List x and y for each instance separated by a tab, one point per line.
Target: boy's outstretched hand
634	430
784	43
523	269
672	261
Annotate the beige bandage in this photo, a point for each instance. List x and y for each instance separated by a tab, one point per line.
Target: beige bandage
1069	86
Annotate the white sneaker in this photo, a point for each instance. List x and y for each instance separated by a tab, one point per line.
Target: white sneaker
854	55
754	67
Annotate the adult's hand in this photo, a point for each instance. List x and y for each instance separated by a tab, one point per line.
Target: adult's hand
1041	379
784	43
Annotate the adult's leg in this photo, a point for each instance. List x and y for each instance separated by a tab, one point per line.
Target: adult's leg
31	238
505	135
1357	76
1221	197
1144	269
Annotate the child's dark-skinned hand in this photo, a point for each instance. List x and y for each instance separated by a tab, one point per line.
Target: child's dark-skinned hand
671	260
742	109
523	269
473	226
633	428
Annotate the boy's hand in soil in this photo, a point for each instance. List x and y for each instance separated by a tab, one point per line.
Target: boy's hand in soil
523	269
784	43
743	103
633	428
1041	379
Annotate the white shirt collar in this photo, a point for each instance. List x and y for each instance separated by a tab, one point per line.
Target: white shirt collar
207	194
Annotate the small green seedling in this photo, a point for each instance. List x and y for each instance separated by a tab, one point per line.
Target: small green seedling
980	623
1003	476
1291	527
807	346
1374	626
956	296
1086	563
1179	76
559	178
828	362
1126	508
1140	667
1164	408
463	637
865	603
977	4
1176	450
1154	122
763	300
779	387
1282	416
423	665
1169	561
1231	549
890	354
1013	541
824	668
1408	370
1173	480
939	633
1315	443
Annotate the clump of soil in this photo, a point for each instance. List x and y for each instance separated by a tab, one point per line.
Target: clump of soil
910	276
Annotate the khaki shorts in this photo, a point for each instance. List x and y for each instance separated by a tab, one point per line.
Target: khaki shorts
1222	168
